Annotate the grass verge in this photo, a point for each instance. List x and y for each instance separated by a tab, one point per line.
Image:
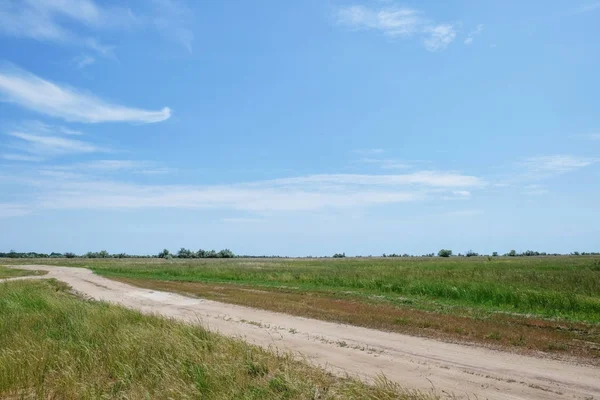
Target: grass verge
55	345
7	273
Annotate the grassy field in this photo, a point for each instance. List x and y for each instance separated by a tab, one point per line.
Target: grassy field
55	345
549	304
6	273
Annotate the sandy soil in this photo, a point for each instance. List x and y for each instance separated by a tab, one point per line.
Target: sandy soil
416	363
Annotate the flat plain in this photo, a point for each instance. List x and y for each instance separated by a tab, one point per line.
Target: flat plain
534	305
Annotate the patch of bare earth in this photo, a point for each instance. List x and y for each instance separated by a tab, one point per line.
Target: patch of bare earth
524	335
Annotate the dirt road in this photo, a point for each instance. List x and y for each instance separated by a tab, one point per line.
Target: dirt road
416	363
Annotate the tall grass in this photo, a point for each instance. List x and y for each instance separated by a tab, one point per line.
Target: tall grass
6	273
56	346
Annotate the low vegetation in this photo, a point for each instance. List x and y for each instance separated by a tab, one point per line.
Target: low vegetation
548	304
6	273
54	345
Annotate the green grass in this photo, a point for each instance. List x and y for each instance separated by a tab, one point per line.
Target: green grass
55	345
551	287
6	273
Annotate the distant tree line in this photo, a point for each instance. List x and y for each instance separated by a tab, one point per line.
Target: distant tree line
182	253
187	253
226	253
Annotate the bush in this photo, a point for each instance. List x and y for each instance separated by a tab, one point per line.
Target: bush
444	253
225	253
341	255
164	254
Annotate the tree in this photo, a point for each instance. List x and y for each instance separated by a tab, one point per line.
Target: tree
211	254
471	253
495	254
444	253
185	253
225	253
512	253
164	254
340	255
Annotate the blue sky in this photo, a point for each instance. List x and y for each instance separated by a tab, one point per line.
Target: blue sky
299	128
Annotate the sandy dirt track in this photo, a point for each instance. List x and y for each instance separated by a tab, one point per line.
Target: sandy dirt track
416	363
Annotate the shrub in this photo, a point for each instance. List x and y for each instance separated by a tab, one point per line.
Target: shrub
164	254
444	253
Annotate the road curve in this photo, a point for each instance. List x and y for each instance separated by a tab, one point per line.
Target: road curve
448	370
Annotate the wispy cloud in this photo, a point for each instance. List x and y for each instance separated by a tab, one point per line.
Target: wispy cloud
385	163
464	213
296	194
398	22
45	20
475	32
77	22
38	127
83	61
13	210
53	145
32	92
555	164
172	19
588	8
21	157
440	37
369	152
593	136
110	166
425	178
535	190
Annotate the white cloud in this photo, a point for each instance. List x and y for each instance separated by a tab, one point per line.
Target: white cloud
461	193
425	178
440	37
588	8
305	193
593	136
556	164
385	163
476	32
83	61
53	145
398	22
172	19
464	213
21	157
133	166
32	92
42	128
55	21
392	21
13	210
45	20
535	190
369	151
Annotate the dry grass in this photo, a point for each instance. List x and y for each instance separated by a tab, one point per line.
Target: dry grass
516	333
56	346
